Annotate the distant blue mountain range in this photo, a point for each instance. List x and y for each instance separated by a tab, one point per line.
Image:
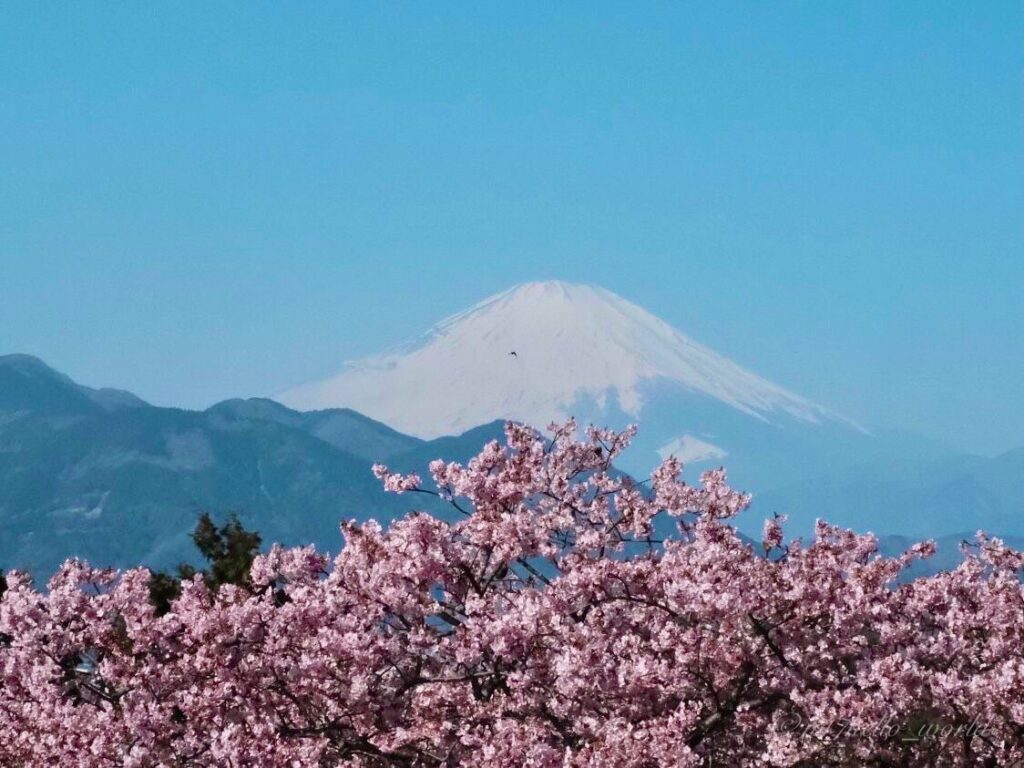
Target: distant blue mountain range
103	475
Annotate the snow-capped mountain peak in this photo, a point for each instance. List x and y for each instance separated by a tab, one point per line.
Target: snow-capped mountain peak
539	352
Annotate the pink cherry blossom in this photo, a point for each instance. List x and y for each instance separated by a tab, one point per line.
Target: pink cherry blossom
545	627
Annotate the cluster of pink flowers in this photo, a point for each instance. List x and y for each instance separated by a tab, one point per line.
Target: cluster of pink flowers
546	627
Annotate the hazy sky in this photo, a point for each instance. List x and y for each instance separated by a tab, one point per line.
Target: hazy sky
208	200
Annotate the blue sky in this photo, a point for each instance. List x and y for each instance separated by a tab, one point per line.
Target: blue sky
208	200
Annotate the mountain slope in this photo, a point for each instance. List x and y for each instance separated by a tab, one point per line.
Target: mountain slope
27	384
538	353
341	427
120	482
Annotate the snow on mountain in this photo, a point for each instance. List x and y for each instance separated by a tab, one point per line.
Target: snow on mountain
691	449
540	352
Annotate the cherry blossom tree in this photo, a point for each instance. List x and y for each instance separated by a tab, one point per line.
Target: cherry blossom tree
547	626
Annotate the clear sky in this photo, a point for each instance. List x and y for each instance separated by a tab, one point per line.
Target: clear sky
208	200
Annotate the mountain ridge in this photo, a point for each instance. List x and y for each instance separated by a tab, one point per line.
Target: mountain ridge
124	485
100	473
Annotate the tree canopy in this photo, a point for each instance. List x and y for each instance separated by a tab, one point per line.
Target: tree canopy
546	627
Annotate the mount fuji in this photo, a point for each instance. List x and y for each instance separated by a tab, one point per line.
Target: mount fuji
544	351
541	352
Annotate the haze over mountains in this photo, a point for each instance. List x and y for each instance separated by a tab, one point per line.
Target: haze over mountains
584	351
104	475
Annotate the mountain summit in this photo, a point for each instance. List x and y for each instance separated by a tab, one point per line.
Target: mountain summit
539	352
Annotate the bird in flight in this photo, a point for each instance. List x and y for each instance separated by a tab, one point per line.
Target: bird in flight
513	353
